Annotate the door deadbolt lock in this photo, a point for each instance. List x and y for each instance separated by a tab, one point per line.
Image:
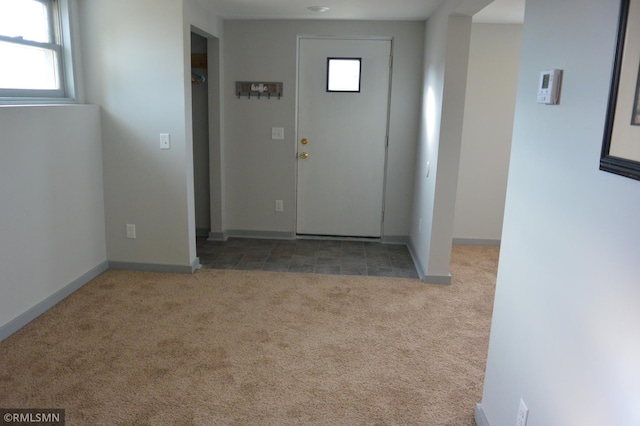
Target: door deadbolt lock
304	155
304	141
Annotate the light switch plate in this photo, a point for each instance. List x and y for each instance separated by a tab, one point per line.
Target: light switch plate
277	133
131	231
165	141
523	413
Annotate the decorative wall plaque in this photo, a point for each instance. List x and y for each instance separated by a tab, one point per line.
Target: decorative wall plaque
258	89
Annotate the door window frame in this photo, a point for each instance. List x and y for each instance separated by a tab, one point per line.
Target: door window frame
329	74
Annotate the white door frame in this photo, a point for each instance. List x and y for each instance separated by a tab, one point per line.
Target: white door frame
297	106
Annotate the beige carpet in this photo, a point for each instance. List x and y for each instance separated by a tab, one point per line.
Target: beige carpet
259	348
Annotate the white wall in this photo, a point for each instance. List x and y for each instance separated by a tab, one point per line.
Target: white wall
52	216
136	58
494	59
447	38
259	170
564	335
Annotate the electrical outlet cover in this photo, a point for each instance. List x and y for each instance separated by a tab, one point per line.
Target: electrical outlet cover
131	231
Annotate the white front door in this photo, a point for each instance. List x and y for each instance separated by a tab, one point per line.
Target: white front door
343	98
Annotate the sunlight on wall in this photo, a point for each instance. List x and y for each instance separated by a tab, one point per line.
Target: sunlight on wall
431	115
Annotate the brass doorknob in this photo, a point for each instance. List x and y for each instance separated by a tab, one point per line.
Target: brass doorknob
304	155
304	141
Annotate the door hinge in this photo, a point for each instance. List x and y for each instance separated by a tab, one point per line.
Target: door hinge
390	61
386	142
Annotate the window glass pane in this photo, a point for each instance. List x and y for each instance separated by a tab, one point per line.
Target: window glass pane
28	19
343	75
27	67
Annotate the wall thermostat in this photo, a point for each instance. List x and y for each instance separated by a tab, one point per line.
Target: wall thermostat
549	87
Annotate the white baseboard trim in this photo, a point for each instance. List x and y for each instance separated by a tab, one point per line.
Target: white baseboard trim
416	260
272	235
476	242
427	279
276	235
218	236
34	312
396	239
154	267
480	417
437	279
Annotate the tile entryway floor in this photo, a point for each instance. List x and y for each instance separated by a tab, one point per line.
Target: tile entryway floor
338	257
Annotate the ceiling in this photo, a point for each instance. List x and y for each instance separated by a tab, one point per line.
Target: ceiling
500	11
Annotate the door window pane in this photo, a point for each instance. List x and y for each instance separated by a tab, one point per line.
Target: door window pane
343	74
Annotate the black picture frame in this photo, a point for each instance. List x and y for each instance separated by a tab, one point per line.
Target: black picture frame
618	164
635	113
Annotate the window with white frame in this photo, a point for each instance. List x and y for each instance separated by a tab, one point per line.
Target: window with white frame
32	52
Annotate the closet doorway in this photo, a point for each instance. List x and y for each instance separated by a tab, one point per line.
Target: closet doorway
200	123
